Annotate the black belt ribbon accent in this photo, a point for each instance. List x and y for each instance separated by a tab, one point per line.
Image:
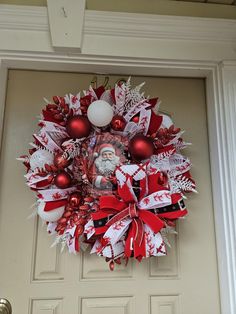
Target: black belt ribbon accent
168	209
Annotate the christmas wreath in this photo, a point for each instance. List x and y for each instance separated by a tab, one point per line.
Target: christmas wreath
108	173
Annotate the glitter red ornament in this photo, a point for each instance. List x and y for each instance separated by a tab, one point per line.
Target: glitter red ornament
78	127
141	147
62	180
74	200
60	161
118	123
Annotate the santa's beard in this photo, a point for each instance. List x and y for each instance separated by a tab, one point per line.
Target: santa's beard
107	166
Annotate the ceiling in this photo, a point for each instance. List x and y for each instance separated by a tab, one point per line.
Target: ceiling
199	8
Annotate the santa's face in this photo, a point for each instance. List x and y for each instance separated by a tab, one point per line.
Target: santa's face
106	163
108	155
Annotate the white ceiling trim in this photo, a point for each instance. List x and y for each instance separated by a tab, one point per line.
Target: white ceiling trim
23	18
125	24
159	26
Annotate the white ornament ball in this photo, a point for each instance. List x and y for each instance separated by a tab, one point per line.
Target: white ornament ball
52	215
100	113
39	158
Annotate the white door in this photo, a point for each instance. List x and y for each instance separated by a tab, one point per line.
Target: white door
38	279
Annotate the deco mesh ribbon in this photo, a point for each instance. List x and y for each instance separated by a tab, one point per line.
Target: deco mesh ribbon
108	173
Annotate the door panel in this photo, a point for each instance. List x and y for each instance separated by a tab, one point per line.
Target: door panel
50	268
38	279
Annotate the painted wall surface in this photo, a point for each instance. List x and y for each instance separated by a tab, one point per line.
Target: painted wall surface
161	7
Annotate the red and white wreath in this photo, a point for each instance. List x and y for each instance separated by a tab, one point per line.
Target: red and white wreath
108	173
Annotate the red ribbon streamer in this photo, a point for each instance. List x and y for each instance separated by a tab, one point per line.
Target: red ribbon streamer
54	204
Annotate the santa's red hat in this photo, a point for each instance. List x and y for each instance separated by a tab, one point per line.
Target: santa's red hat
106	148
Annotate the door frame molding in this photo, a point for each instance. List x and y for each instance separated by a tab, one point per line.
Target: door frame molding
219	74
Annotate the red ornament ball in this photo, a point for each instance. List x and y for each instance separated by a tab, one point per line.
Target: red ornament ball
78	127
74	200
62	180
60	161
141	147
135	119
118	123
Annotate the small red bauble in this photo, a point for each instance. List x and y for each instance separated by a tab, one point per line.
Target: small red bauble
67	214
78	127
135	119
83	213
111	265
62	221
82	221
74	200
60	161
62	180
141	147
118	123
68	208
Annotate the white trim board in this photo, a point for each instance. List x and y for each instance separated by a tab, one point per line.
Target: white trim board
126	24
25	44
24	28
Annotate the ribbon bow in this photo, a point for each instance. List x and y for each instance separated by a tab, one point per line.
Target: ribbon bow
133	210
135	240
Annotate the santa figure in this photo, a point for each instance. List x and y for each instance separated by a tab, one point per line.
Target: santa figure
105	164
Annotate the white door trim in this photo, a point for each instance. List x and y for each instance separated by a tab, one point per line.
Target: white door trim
156	46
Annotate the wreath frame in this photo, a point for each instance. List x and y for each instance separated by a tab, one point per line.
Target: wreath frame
73	210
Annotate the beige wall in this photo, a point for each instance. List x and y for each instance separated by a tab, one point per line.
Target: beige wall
163	7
